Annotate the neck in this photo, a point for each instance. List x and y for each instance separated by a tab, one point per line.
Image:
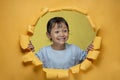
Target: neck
58	46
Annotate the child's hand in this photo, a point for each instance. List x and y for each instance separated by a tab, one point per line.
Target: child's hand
31	47
90	47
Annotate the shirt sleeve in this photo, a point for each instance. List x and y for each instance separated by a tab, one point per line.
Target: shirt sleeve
40	55
82	55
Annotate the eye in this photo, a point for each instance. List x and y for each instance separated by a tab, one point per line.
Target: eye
65	30
56	31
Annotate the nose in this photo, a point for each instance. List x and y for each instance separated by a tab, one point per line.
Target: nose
61	33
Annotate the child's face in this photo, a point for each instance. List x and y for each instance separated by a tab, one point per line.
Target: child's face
59	35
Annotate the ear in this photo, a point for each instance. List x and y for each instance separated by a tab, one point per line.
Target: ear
48	35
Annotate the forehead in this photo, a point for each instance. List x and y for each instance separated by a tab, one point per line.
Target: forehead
59	25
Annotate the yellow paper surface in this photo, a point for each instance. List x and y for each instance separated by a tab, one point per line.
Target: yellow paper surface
17	14
62	73
97	42
55	9
50	73
55	73
75	69
30	29
85	64
24	41
28	57
43	12
93	54
91	21
36	61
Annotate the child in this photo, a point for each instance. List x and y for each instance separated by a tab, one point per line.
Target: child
60	54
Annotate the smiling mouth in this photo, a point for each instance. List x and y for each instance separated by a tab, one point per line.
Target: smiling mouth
62	39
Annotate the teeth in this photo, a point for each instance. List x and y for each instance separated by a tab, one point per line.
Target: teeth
62	39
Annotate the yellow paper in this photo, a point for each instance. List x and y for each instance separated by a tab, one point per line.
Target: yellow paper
97	29
68	8
83	11
36	61
91	21
93	54
85	64
30	29
44	11
24	41
50	73
28	57
75	69
55	73
62	73
97	42
55	9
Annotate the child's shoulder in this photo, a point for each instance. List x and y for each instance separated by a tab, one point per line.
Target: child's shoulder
45	48
72	45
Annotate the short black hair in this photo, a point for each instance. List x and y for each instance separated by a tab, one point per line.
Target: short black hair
56	20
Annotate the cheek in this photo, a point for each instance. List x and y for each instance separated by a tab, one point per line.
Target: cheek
67	34
53	35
